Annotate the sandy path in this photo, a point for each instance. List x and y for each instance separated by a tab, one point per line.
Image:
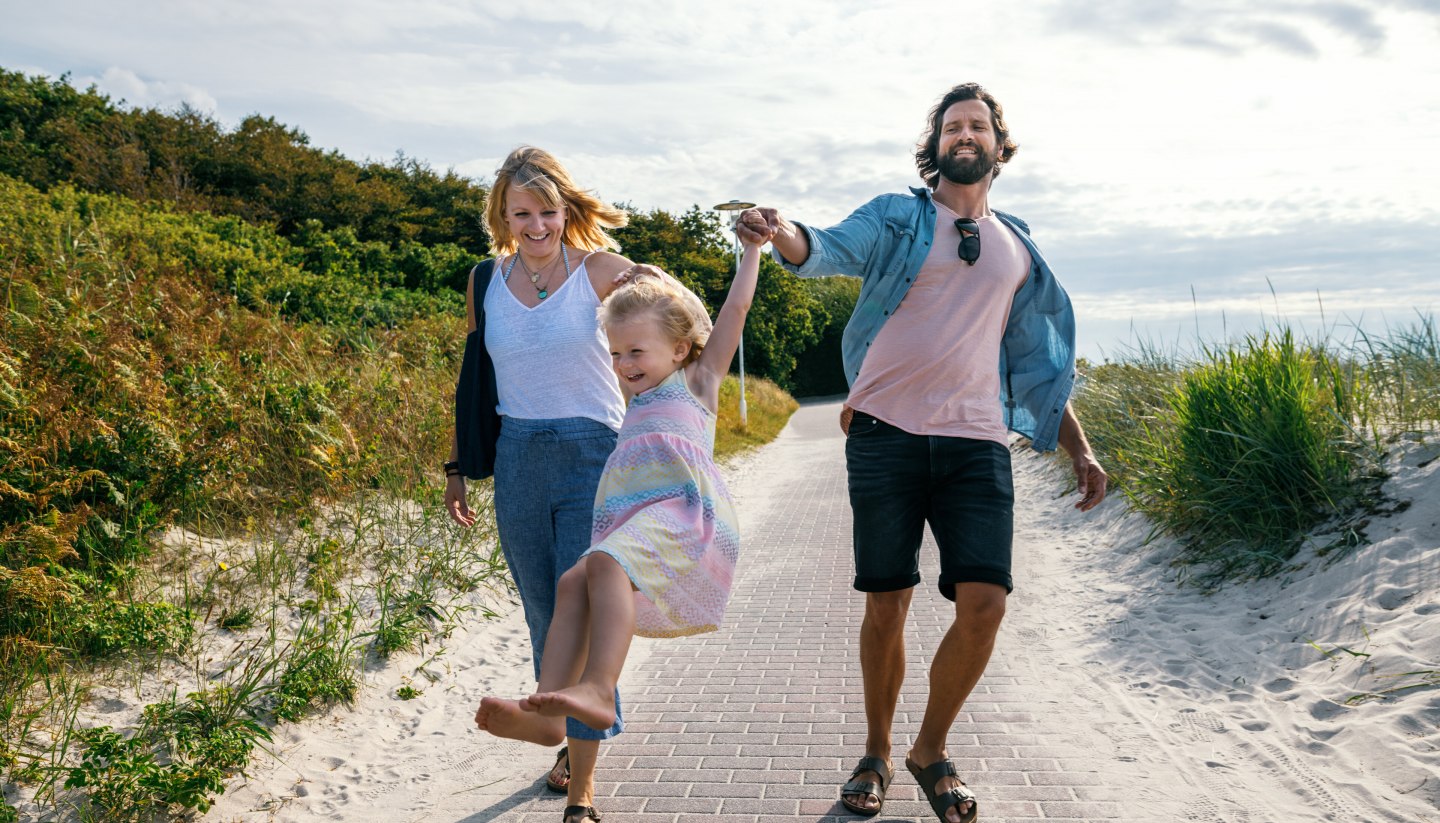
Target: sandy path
1186	706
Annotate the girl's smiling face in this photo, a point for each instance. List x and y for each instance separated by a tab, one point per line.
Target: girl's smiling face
642	354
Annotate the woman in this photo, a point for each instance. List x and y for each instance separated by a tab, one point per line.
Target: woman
536	356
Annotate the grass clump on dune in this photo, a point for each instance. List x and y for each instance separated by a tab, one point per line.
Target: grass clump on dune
1244	452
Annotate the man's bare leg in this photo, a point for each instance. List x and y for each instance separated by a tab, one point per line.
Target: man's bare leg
882	667
958	665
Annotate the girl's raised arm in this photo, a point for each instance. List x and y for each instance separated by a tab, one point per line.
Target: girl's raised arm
714	361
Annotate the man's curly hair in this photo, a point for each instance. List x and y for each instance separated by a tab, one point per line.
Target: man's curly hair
927	149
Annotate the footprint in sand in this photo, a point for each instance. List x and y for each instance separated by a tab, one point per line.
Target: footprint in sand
1393	597
1279	685
1119	629
1311	781
1198	723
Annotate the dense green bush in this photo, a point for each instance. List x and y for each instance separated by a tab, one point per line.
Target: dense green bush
784	320
820	369
1242	454
262	171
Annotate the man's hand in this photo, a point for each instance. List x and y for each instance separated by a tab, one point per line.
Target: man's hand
788	239
1090	481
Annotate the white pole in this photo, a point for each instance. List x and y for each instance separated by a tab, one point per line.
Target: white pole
744	416
733	208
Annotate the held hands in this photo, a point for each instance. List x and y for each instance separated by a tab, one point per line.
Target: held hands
753	228
758	226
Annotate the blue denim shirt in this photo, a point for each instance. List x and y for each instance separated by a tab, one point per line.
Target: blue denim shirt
885	242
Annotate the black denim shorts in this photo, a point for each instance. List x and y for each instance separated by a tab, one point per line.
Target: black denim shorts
901	481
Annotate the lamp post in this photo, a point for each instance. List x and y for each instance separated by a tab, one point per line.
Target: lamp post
732	210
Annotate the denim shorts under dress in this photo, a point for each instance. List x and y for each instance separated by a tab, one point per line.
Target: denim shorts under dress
900	481
546	473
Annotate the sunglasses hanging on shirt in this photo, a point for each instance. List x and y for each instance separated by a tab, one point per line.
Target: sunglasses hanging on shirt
969	239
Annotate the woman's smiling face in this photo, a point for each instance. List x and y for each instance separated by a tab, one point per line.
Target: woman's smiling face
537	228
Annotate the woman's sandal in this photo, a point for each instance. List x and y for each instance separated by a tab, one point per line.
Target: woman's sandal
559	788
856	786
579	814
930	776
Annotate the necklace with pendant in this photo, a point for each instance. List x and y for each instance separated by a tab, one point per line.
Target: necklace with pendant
541	292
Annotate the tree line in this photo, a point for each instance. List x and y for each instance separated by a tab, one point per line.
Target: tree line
360	235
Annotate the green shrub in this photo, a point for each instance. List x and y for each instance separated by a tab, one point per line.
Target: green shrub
319	673
1250	450
104	627
820	369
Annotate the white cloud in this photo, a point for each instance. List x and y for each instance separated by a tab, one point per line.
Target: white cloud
128	86
1153	124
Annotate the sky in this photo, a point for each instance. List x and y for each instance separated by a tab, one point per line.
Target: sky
1192	171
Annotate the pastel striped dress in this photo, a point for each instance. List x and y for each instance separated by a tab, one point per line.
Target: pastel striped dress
663	512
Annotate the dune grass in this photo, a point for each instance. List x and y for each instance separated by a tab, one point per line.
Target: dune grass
1245	450
204	484
768	408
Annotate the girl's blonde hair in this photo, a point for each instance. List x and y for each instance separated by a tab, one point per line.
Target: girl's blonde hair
538	172
679	311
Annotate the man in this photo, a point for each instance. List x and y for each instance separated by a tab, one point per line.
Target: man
951	289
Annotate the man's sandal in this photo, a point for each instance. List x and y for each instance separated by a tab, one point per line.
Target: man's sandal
930	777
579	814
559	788
857	786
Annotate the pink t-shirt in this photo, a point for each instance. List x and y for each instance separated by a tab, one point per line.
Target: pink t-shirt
934	367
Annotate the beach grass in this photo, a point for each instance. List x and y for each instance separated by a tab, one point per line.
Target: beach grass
200	488
1245	450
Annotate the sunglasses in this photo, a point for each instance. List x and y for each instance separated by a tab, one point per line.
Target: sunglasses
969	239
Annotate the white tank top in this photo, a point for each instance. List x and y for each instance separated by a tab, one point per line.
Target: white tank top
553	360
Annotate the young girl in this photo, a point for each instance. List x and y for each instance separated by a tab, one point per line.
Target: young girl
664	527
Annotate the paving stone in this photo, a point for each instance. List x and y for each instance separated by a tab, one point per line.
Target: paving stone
762	721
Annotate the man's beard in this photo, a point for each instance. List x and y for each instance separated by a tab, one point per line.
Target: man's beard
966	171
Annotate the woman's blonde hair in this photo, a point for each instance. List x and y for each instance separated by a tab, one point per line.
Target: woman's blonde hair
538	172
679	311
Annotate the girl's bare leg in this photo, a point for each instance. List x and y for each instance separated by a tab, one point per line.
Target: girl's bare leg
565	653
612	625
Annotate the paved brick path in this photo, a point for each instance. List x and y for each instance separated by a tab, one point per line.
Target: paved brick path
763	720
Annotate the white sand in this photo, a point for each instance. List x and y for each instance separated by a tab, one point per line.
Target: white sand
1224	690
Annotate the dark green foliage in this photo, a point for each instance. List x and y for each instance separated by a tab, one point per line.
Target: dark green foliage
784	318
104	626
177	759
319	673
821	370
262	172
404	619
238	620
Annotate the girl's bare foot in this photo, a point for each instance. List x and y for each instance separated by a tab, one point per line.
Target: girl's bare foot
591	705
505	718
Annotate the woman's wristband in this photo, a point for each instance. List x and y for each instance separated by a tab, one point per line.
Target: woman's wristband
452	468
